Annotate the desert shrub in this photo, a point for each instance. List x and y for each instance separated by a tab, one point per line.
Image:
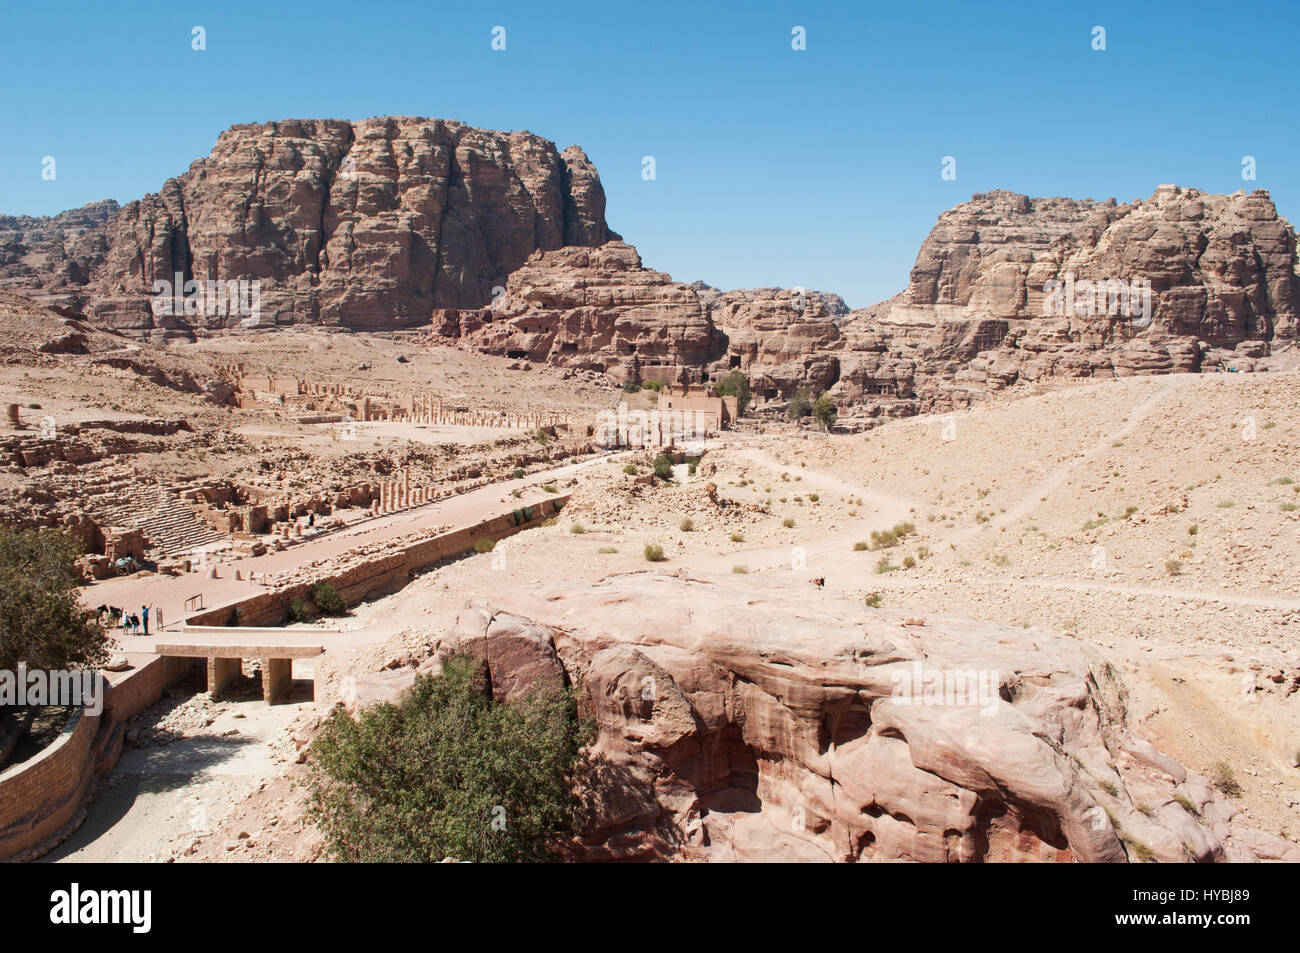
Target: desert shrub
1192	530
1185	803
1223	778
874	599
449	772
735	383
860	546
631	470
824	411
663	467
484	545
814	497
577	529
884	565
800	404
909	562
606	550
631	386
301	611
1173	566
788	522
328	600
654	553
517	472
551	488
884	539
737	537
42	623
740	570
686	526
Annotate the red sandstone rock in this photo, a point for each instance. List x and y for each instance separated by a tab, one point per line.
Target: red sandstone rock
749	719
367	225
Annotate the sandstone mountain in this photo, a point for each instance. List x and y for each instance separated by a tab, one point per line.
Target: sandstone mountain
367	225
498	241
1005	289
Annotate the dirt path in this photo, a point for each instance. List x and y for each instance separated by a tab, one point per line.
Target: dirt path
160	799
822	556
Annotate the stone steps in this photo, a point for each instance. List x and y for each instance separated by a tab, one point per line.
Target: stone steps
170	526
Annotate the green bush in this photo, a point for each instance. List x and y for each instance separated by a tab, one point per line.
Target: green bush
654	553
631	470
663	467
873	600
517	472
450	772
301	611
328	600
42	623
484	545
824	411
735	384
800	405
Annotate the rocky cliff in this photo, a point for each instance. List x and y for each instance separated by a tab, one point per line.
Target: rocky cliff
368	225
1005	289
745	719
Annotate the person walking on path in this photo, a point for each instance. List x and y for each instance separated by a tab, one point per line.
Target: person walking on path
144	615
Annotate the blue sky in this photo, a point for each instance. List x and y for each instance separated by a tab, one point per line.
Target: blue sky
818	168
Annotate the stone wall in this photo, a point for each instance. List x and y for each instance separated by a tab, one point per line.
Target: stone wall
42	799
377	576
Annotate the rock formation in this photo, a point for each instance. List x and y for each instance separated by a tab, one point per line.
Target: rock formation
595	308
756	720
368	225
1005	289
1008	288
499	241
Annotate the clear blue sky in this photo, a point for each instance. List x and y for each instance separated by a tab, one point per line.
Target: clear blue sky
818	168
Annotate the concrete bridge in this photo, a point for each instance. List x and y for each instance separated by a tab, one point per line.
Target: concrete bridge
224	650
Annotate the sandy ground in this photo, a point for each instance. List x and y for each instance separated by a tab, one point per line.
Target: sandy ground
1070	510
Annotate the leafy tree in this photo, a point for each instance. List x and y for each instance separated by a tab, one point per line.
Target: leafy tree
736	384
450	772
42	622
824	411
663	467
800	404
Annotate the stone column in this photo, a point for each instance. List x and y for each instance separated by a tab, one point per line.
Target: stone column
221	671
277	676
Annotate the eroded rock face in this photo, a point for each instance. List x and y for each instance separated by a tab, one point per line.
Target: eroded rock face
598	309
1007	288
743	719
369	225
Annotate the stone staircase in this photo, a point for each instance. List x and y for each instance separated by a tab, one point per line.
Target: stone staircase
170	526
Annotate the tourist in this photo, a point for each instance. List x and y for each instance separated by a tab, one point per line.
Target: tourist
144	615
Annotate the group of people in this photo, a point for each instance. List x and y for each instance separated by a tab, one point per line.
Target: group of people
111	617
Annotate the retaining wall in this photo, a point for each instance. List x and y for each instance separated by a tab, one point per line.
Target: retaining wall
378	576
